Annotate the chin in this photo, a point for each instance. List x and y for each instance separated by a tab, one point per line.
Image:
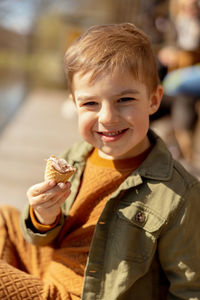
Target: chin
110	154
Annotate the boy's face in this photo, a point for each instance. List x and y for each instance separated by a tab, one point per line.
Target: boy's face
113	113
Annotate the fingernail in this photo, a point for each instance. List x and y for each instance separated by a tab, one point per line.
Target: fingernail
62	185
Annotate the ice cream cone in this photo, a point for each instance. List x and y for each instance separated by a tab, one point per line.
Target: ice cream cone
52	174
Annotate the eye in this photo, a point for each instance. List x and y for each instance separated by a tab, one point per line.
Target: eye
126	99
89	103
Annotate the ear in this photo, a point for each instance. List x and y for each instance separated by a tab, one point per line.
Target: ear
155	99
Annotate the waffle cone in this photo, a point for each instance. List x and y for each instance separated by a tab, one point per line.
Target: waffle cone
52	174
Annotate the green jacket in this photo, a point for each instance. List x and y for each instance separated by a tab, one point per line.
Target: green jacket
146	244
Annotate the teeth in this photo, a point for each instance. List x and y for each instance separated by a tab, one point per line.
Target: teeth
111	133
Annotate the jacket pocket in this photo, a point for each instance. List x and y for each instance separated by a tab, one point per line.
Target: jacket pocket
134	235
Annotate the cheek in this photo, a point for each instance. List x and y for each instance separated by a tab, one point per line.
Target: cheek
137	115
139	119
86	123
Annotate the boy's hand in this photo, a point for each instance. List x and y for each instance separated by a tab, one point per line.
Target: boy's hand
46	199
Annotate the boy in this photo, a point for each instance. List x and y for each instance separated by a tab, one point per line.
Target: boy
129	227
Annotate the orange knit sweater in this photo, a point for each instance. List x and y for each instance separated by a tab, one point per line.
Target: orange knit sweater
41	273
101	178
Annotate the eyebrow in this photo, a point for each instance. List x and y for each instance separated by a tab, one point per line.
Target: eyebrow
128	91
120	94
86	98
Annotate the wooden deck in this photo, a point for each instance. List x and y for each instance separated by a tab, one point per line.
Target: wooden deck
38	130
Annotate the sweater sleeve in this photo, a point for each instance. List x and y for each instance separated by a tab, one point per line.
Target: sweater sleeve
33	235
41	227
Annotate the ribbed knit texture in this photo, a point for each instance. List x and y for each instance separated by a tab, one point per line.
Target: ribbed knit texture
48	273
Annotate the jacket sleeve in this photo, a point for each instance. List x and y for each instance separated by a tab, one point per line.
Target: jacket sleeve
35	237
38	238
179	248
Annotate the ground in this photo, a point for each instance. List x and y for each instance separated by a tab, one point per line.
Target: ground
45	124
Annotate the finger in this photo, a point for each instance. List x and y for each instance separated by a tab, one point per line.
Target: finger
45	186
60	199
49	198
63	185
52	209
56	190
41	188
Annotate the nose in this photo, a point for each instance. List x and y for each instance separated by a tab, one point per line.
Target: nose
108	114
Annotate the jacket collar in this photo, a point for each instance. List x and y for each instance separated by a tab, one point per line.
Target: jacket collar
158	164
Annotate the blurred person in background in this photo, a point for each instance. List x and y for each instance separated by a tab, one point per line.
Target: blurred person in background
184	48
183	86
181	77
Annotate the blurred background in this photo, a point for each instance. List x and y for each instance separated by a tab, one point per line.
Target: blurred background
37	118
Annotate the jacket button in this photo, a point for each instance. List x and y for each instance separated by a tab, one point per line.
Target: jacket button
140	217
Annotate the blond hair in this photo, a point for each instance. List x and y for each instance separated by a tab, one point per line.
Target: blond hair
106	47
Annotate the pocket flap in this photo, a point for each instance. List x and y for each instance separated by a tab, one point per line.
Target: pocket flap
142	216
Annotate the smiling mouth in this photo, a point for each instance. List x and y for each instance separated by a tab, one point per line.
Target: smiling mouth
112	133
